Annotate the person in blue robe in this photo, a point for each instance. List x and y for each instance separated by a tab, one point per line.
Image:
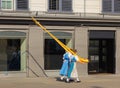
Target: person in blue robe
72	73
65	65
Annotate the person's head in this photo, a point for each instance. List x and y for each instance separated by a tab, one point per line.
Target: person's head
75	50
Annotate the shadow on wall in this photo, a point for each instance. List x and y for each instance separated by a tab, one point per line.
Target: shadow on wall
37	64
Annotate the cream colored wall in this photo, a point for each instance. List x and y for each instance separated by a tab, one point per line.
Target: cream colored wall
78	5
82	6
93	6
38	5
87	6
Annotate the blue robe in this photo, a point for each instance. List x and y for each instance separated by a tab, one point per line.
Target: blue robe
64	68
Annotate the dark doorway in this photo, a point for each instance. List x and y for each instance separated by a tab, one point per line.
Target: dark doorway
102	53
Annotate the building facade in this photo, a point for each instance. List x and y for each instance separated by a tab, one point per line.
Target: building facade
90	26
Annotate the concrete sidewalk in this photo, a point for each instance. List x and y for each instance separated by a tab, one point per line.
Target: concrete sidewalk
91	81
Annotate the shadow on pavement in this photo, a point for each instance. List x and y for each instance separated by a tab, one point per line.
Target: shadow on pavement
96	87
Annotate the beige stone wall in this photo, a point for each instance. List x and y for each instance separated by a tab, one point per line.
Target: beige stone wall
81	44
118	51
35	52
35	47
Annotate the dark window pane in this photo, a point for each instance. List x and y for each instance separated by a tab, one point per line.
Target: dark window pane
52	47
0	4
22	4
107	6
53	4
13	54
10	55
116	5
60	5
66	5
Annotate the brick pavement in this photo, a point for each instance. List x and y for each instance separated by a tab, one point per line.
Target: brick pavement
94	81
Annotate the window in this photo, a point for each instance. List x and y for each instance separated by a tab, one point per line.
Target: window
6	4
111	6
22	4
107	5
53	4
13	54
10	55
53	52
60	5
116	5
11	51
66	5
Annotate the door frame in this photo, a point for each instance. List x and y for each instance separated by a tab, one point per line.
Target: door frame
100	37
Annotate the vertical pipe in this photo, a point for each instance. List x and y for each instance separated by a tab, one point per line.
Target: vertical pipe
84	8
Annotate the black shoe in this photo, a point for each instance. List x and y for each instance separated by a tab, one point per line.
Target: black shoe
59	79
78	81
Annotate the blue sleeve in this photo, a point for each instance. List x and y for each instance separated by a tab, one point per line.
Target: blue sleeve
73	59
65	56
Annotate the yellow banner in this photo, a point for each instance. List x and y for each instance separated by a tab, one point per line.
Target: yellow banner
66	48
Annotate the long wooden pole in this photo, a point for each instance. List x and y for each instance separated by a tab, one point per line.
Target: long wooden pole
66	48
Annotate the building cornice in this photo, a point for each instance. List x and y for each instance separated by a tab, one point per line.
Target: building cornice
24	18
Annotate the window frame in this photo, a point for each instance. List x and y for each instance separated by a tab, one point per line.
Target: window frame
60	9
22	9
61	35
112	10
6	5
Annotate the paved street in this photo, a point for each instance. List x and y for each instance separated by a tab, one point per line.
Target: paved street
92	81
